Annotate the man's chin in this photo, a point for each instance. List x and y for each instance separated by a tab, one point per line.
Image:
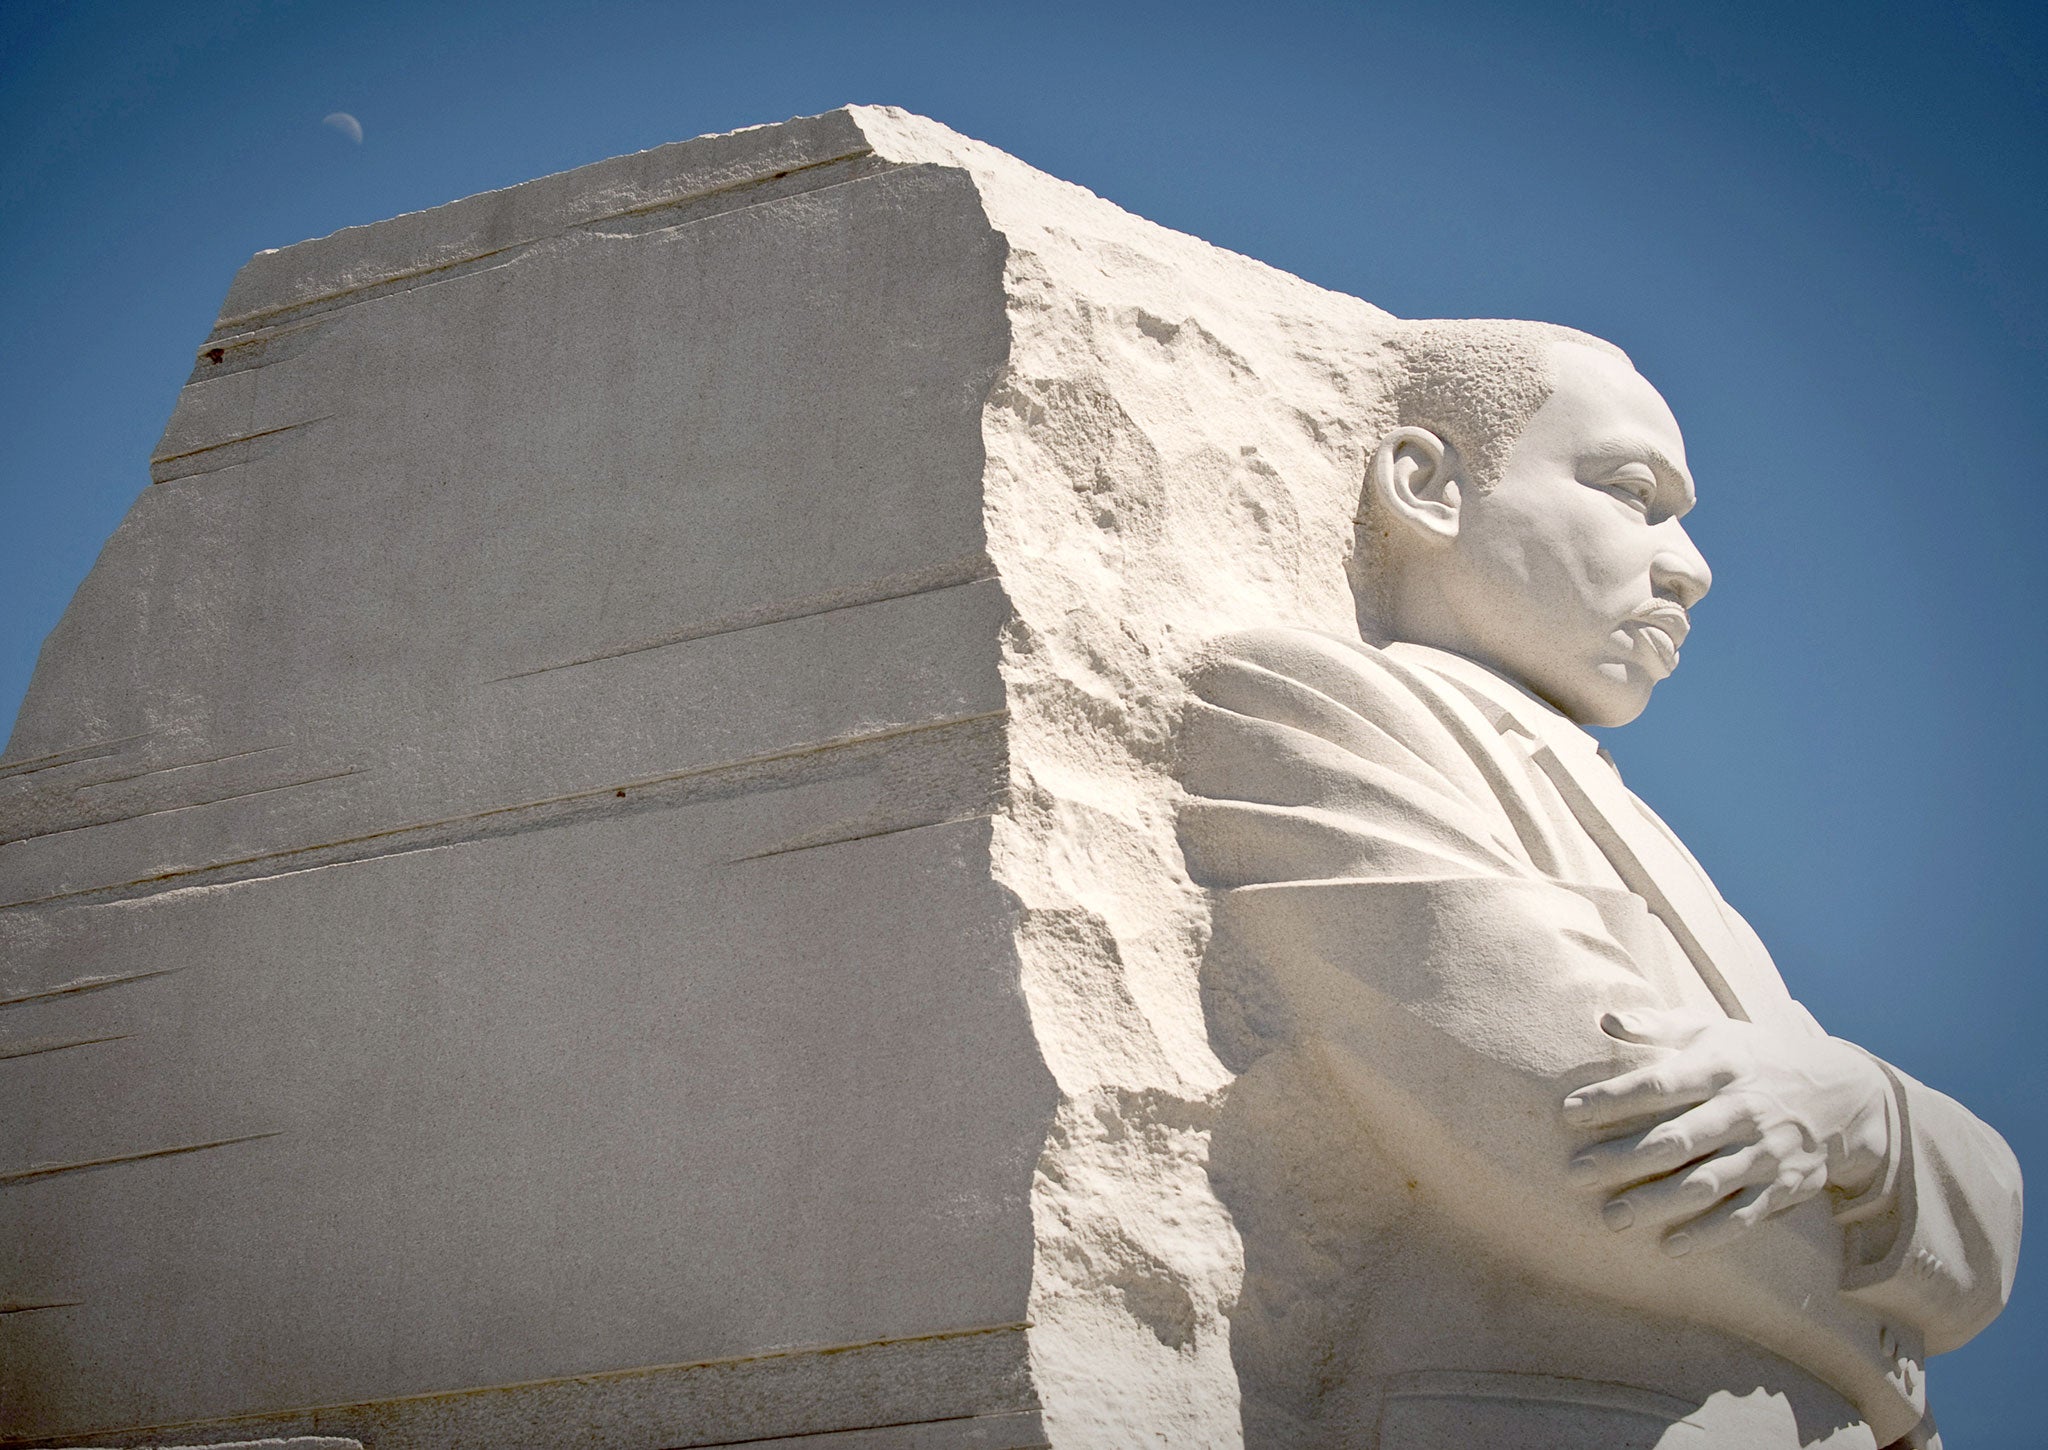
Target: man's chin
1617	693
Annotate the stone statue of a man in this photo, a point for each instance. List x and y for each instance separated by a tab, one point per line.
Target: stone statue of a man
1532	1146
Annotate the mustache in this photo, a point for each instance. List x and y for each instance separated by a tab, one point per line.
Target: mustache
1664	615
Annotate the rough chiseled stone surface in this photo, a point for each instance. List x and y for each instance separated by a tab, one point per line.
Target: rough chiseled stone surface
600	863
609	809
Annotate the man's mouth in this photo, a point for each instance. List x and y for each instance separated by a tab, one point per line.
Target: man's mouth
1661	626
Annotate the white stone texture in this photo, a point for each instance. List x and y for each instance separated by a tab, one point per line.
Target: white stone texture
596	864
610	808
300	1442
1174	450
1531	1144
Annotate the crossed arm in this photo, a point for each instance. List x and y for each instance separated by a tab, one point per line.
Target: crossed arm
1381	909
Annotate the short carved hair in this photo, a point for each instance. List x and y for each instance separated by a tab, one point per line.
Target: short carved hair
1477	382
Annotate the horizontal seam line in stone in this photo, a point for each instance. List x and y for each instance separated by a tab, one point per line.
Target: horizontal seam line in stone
601	1377
9	1051
649	208
788	1435
166	458
170	881
249	322
51	1170
167	769
187	806
77	755
85	984
697	216
864	836
235	347
974	572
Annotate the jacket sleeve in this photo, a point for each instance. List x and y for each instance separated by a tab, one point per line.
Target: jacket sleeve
1940	1248
1374	909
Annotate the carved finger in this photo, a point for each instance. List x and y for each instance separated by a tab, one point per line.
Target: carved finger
1647	1092
1717	1124
1654	1027
1743	1212
1680	1197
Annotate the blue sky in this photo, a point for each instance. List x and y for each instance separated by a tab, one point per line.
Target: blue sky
1819	229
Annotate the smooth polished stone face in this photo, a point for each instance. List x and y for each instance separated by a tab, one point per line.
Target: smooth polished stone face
1573	574
638	843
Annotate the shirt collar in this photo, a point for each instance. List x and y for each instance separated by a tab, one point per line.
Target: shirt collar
1499	696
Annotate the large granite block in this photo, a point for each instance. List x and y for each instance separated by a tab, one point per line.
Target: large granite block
594	864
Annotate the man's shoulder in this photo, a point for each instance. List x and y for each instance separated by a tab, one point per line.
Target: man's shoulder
1307	655
1245	667
1328	685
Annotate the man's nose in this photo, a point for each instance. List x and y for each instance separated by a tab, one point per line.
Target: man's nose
1678	570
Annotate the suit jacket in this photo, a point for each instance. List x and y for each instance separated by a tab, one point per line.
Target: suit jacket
1439	885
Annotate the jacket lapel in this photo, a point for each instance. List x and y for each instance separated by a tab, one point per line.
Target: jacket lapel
1645	855
1656	869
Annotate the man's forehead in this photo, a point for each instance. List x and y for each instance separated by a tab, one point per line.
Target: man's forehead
1607	411
1588	377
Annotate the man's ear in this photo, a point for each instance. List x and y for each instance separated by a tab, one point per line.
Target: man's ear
1413	483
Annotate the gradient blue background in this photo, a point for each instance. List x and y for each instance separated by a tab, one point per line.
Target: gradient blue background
1820	230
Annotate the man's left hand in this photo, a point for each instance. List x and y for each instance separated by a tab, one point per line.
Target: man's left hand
1732	1125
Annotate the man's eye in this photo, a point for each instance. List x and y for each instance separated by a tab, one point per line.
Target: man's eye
1633	486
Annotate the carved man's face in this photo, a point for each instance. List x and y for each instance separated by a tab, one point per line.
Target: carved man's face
1572	574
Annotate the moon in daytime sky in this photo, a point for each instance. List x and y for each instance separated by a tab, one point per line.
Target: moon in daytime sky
343	122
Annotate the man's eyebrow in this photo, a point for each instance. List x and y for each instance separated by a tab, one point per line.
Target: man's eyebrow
1670	476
